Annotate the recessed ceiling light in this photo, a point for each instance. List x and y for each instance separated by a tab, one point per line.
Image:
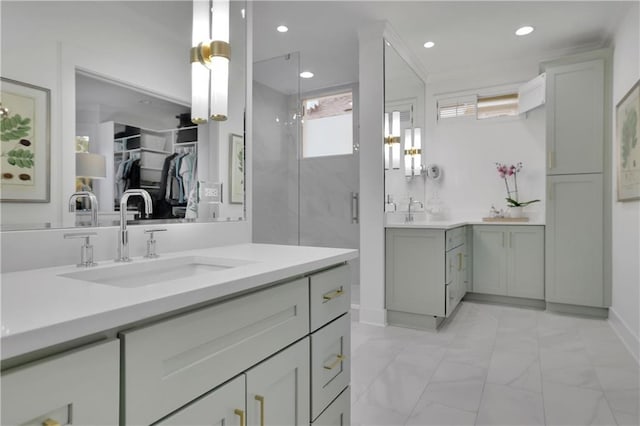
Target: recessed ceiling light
282	29
306	74
429	44
524	30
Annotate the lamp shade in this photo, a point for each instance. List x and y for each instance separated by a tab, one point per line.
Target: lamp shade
91	165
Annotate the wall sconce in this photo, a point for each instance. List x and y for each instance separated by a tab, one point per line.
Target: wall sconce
210	56
413	152
392	140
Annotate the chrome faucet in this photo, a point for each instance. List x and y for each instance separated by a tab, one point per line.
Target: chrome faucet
93	204
409	216
123	237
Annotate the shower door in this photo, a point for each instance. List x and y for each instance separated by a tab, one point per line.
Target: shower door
301	194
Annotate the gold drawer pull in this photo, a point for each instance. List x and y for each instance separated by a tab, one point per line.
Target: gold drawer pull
334	364
332	295
260	399
239	412
50	422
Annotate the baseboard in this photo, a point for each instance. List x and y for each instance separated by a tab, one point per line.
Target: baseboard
631	341
585	311
419	322
520	302
355	312
373	316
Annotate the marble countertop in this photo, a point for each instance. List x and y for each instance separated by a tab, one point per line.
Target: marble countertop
41	308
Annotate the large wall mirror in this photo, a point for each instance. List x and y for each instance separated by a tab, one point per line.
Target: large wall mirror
119	83
404	106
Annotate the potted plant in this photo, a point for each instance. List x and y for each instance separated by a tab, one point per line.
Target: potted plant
506	172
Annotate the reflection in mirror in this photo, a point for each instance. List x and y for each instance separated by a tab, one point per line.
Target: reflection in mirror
404	107
143	57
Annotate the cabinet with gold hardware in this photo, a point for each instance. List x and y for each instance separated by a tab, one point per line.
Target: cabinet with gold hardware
82	383
425	274
509	260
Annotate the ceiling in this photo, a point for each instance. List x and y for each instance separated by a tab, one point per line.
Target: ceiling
467	34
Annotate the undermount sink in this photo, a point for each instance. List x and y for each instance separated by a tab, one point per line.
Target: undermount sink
131	275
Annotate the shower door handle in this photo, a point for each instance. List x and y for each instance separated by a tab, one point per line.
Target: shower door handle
355	207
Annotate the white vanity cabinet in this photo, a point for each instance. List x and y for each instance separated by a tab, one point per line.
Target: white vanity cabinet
425	274
77	387
509	260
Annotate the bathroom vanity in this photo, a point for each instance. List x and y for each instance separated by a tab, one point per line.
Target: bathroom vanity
257	334
431	267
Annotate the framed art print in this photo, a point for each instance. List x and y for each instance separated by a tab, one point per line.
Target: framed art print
236	169
628	148
25	140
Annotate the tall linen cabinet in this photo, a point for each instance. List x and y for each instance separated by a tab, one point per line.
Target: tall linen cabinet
577	240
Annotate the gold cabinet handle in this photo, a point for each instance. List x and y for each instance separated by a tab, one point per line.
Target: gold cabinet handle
260	399
334	364
50	422
239	412
552	159
332	295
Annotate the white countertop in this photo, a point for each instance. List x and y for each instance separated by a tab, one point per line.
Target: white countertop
450	224
40	308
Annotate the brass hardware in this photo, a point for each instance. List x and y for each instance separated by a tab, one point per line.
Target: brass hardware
220	48
412	151
198	120
260	399
334	364
333	294
219	117
391	139
50	422
240	413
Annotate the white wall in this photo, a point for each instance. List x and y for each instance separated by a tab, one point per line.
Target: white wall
467	149
626	216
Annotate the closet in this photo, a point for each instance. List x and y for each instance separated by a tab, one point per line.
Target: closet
163	162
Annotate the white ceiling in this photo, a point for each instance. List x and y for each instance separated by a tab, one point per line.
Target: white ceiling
467	34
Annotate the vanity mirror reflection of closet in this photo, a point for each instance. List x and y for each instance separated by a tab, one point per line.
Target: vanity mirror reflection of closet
147	143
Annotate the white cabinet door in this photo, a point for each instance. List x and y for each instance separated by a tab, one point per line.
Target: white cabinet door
525	275
415	271
574	239
490	259
78	387
278	389
224	406
575	118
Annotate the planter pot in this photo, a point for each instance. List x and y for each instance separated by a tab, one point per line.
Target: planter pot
516	212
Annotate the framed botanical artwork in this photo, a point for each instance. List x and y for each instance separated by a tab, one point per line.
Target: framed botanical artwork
25	140
236	169
627	136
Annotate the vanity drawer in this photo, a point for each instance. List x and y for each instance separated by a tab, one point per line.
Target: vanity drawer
455	237
330	293
330	363
168	364
338	413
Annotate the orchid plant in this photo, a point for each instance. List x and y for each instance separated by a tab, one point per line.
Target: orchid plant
505	172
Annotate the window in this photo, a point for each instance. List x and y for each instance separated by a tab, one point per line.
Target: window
497	106
327	126
481	107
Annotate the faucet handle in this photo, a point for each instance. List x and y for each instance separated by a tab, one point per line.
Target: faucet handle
151	243
86	250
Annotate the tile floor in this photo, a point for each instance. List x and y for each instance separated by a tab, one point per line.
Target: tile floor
494	365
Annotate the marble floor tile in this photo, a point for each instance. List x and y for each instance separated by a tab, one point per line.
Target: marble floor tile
503	405
364	414
461	395
567	405
494	365
516	370
433	414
